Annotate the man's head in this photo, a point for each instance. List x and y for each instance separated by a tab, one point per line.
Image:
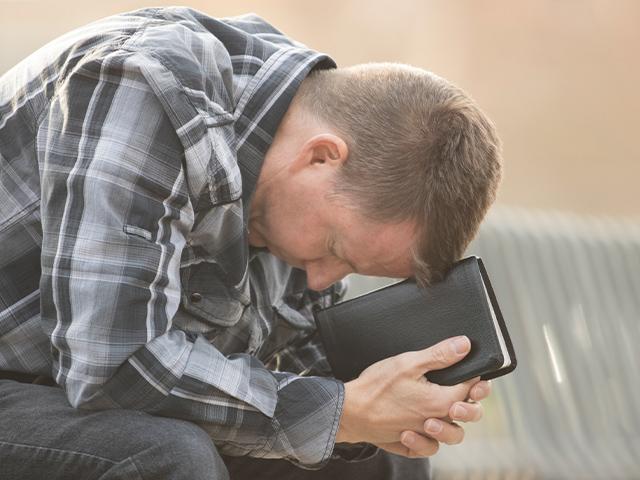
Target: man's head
383	169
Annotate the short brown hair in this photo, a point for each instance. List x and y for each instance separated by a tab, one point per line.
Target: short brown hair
419	149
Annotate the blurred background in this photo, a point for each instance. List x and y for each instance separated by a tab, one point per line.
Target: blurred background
560	80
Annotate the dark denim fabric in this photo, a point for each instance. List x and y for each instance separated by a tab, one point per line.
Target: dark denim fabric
42	437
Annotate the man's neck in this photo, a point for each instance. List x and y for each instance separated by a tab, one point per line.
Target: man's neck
296	127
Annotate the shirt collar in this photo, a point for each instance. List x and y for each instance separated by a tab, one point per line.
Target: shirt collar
270	93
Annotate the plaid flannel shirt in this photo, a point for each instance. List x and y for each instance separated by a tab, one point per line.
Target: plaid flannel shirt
129	149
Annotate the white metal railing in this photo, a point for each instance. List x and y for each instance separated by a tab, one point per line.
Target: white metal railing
569	289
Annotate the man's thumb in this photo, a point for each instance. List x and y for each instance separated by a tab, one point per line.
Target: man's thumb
444	354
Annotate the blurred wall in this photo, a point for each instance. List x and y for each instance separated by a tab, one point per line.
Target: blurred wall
559	78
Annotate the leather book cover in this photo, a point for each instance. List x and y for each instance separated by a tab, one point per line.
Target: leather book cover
403	317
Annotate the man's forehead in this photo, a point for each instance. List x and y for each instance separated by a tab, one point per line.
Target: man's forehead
384	249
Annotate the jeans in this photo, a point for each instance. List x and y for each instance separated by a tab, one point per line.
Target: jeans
42	437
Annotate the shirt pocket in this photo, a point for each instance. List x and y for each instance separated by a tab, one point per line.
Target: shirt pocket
213	301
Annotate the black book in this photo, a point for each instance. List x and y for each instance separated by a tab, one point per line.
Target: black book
403	317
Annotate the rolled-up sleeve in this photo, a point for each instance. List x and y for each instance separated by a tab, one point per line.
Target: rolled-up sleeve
116	212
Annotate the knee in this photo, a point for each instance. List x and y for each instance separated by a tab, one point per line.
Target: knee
180	450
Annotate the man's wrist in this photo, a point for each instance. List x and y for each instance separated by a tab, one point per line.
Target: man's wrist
347	430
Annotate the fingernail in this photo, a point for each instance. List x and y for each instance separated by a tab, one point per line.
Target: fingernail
433	426
461	345
459	411
480	391
407	440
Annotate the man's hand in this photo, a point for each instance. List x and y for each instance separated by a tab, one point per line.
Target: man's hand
392	405
442	430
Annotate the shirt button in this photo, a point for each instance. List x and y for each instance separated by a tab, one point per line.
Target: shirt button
195	297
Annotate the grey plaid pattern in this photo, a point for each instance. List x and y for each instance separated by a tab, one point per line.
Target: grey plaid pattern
129	149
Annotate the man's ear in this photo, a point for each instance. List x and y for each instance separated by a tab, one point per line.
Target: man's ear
322	149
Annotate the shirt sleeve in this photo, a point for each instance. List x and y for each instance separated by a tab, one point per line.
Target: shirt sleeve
116	212
307	356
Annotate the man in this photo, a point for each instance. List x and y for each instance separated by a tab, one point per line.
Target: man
178	194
